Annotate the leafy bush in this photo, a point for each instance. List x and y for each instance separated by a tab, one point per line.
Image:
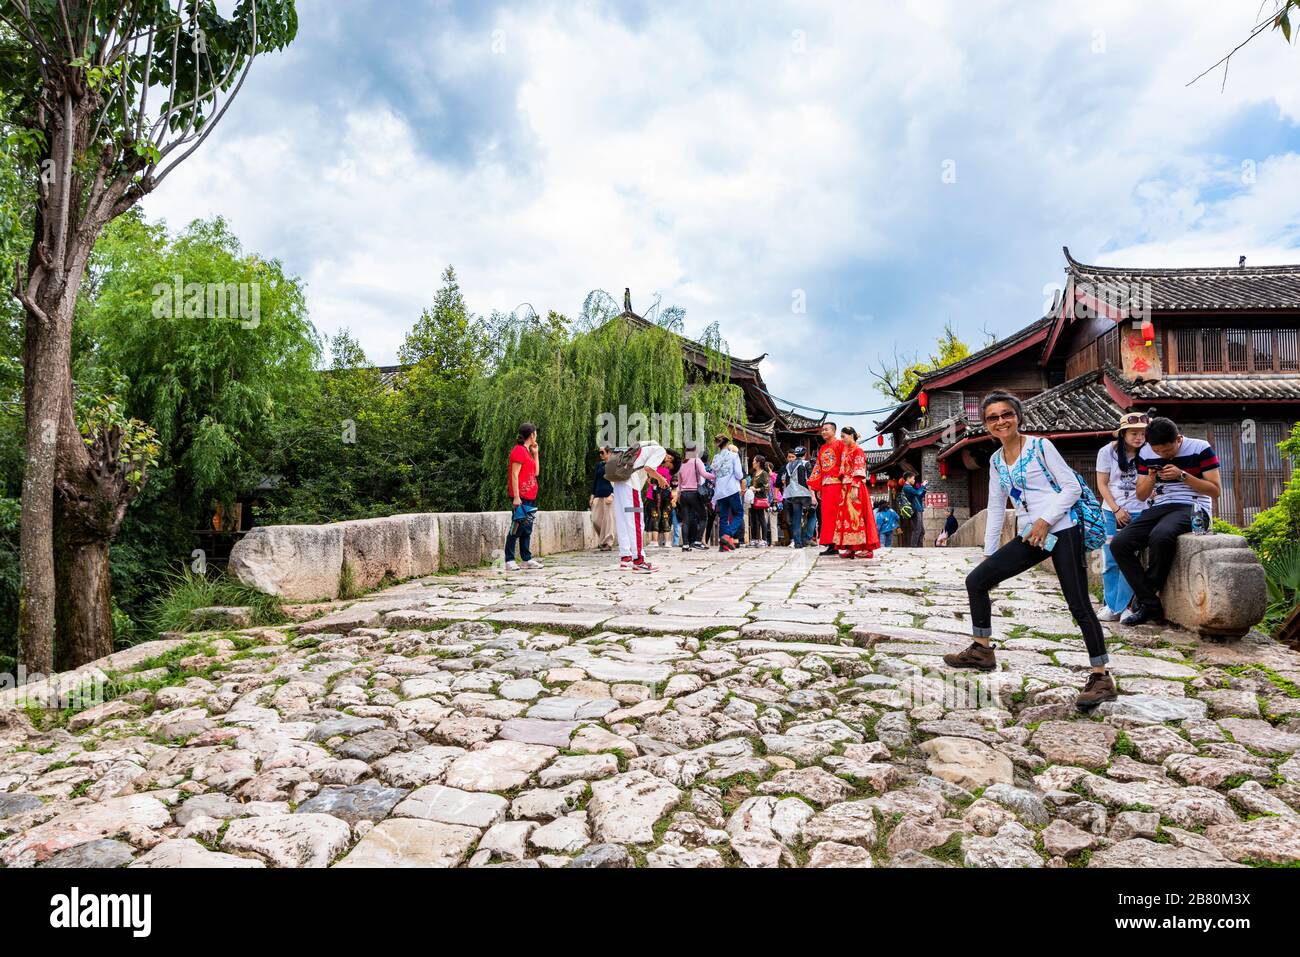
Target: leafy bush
1275	528
1282	569
187	591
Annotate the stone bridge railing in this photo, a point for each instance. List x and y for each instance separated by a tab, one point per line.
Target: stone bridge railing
1216	587
307	562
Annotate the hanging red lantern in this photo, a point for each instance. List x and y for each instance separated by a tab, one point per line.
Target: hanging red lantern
873	479
880	439
943	468
892	485
923	399
1148	332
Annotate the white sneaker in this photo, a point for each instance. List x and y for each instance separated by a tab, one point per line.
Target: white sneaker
533	563
512	566
1107	615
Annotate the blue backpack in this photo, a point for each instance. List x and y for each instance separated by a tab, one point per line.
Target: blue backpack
1086	511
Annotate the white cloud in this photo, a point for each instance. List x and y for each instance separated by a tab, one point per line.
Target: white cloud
722	159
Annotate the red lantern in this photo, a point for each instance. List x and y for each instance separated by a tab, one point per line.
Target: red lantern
1148	332
923	399
880	439
892	485
943	468
873	479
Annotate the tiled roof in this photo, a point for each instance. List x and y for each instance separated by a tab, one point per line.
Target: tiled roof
1080	405
874	458
794	422
1223	287
1241	388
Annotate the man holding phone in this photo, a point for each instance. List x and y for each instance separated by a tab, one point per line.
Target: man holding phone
1176	476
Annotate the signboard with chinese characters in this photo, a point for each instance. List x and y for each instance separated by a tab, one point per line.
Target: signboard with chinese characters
1138	360
936	499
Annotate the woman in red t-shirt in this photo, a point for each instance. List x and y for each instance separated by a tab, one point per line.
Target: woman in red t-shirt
521	486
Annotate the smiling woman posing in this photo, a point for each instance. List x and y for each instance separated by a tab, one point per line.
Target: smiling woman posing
1043	489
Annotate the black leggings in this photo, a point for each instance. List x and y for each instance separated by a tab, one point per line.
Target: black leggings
690	512
1157	530
1018	556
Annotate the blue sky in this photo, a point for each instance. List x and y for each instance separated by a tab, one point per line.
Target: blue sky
903	164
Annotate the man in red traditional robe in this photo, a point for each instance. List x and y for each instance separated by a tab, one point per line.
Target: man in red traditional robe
825	482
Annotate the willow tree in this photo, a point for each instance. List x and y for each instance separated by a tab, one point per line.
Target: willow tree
565	377
110	97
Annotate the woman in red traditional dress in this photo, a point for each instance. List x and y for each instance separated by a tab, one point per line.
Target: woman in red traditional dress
855	526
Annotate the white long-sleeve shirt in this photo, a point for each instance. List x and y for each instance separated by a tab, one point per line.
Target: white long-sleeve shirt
650	456
1036	497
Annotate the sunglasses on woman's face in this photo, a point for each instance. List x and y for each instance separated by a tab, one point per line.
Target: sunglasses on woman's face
997	417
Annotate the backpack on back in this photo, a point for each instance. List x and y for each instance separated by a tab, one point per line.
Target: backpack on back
1086	511
621	464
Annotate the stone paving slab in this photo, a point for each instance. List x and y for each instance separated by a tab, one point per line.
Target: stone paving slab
585	621
668	624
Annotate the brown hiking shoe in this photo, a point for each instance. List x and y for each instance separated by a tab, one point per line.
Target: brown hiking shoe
976	656
1100	687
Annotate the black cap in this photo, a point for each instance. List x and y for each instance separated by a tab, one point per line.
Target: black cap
799	450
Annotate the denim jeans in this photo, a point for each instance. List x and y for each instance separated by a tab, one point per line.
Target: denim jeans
1116	589
677	528
730	512
801	512
521	531
886	539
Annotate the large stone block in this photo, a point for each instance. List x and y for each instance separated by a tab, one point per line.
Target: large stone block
1216	587
970	534
467	539
297	562
561	532
422	529
375	548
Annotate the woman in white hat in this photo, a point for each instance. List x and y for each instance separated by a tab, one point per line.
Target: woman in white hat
1117	483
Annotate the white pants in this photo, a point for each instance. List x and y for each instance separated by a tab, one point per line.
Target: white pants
627	522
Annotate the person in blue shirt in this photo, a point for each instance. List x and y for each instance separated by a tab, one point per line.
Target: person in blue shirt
887	522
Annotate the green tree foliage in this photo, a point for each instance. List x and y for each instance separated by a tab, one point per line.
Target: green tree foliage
213	386
900	379
398	443
1275	528
563	377
215	390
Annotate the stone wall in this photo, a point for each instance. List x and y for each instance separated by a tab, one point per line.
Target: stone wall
306	562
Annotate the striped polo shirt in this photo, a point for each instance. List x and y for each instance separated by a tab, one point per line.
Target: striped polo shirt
1194	457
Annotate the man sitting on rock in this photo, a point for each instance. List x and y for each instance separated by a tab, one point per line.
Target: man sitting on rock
1177	476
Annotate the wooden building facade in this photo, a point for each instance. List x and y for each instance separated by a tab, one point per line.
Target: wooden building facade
1215	349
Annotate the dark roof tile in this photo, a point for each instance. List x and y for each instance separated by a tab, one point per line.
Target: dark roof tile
1223	287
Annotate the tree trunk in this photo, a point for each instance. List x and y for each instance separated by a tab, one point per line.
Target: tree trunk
85	600
90	500
45	367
